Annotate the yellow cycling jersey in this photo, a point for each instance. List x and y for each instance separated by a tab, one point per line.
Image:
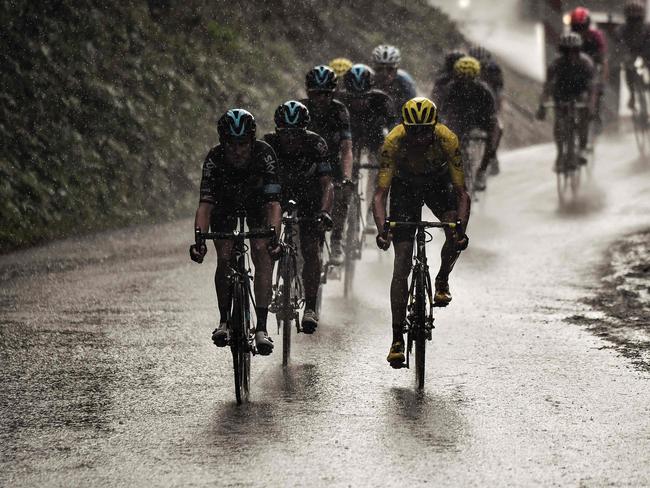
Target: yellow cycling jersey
430	161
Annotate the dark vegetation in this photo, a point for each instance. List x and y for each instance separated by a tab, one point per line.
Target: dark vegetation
108	108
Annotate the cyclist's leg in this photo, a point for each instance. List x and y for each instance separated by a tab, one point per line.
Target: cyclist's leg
405	205
222	220
559	125
339	215
311	238
263	263
441	199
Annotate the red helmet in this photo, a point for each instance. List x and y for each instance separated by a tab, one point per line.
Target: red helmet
580	16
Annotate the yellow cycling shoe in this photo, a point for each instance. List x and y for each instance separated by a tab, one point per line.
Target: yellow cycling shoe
442	296
396	354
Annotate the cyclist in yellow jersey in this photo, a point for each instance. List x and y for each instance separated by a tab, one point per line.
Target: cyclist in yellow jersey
420	163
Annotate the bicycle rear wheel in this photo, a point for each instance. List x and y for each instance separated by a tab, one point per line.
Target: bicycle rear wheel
241	355
640	117
352	247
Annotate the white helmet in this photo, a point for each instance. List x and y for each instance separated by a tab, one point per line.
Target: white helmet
385	54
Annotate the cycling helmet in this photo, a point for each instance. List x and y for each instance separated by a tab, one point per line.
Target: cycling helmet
359	78
450	59
467	67
580	17
340	66
321	78
236	122
419	111
386	55
291	115
479	52
634	10
570	41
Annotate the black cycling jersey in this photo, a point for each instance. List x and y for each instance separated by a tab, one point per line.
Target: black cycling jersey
301	169
256	180
492	75
570	80
332	124
467	105
370	113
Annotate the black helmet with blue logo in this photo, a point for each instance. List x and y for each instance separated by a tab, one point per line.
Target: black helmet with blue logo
291	115
358	79
321	78
236	122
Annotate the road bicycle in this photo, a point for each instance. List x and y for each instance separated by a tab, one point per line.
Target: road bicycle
242	334
568	118
354	229
472	149
419	317
640	88
288	292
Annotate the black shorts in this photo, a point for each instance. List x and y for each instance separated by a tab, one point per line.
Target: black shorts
224	215
308	209
407	199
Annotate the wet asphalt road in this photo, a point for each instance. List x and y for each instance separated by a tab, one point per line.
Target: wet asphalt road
109	376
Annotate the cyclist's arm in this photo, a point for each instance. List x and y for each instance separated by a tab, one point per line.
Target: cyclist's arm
202	217
324	171
346	143
451	147
327	191
548	85
207	198
384	178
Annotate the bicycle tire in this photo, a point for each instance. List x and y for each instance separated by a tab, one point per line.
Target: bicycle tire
640	116
240	350
351	244
420	333
287	309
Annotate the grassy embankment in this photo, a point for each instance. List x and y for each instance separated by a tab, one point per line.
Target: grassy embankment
108	112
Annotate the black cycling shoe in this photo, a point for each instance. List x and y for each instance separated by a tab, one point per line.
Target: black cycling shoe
309	321
396	356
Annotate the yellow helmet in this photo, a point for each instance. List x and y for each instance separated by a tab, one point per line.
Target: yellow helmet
467	67
419	111
340	66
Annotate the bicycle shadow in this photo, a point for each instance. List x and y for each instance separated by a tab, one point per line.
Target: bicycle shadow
433	419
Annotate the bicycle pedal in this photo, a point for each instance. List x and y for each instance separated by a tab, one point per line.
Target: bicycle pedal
440	304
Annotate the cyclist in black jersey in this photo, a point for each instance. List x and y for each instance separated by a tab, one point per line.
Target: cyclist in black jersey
331	120
492	76
371	116
469	104
391	79
241	172
445	75
306	177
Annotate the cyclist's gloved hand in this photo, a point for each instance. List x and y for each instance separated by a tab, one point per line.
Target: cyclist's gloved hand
541	112
384	240
325	222
347	186
198	252
275	248
462	242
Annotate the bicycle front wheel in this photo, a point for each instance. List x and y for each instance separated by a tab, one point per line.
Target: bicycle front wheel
287	309
352	243
241	355
420	335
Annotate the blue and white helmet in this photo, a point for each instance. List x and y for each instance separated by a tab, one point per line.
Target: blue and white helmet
321	78
358	79
291	115
236	122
